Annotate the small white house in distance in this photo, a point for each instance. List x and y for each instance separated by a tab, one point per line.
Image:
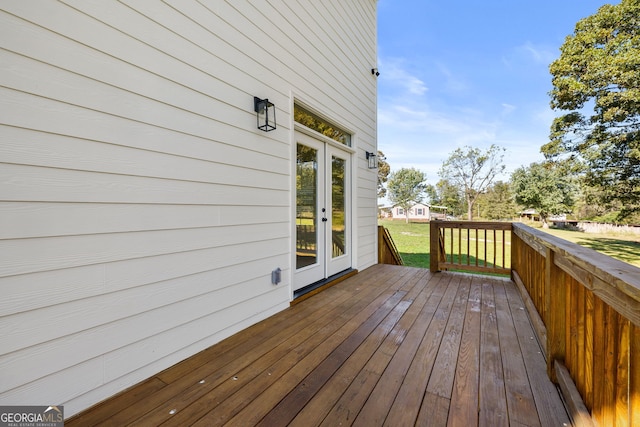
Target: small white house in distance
418	211
147	210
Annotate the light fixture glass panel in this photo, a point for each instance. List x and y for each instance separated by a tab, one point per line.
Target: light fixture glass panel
265	114
372	160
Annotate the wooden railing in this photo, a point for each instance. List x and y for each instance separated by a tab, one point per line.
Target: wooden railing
589	304
584	306
387	250
470	246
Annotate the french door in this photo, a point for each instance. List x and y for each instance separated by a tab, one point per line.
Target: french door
323	226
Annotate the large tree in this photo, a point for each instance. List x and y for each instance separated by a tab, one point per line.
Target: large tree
449	196
472	171
596	80
383	174
498	202
406	188
543	187
431	193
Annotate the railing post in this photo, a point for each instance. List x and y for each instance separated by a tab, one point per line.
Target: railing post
434	247
555	294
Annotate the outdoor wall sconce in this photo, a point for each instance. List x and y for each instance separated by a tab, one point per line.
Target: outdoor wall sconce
372	160
265	114
375	72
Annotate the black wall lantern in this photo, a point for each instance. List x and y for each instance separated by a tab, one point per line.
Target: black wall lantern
372	160
265	114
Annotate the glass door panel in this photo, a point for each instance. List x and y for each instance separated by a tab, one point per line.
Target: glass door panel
339	203
306	206
310	212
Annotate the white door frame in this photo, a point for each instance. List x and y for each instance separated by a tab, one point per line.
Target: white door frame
326	264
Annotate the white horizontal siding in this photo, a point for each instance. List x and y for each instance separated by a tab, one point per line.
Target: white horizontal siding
56	151
142	211
83	384
115	56
215	307
36	290
65	219
22	256
26	111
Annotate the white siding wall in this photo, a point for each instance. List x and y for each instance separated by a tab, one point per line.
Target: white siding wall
141	211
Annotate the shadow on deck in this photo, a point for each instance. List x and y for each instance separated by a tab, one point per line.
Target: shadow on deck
391	345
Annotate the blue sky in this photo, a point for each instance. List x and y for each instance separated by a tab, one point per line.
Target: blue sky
457	73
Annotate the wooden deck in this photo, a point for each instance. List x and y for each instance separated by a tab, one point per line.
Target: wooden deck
391	345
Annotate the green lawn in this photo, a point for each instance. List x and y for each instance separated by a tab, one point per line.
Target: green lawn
625	247
412	240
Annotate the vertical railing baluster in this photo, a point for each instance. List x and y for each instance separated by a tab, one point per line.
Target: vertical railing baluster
484	255
495	247
504	245
443	244
460	245
451	245
468	246
477	240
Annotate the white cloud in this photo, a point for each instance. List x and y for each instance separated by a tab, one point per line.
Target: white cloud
528	53
424	138
539	54
394	73
507	108
544	115
452	82
415	130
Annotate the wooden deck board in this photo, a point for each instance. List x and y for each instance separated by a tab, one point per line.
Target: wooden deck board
465	395
367	366
385	394
492	380
519	396
284	373
443	373
550	409
391	345
411	394
237	359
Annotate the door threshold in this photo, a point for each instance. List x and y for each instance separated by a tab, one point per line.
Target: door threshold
319	286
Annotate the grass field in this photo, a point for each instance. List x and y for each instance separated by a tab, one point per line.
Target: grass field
412	240
620	246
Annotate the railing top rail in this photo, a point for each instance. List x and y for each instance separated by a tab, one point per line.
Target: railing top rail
489	225
622	276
